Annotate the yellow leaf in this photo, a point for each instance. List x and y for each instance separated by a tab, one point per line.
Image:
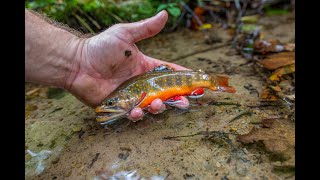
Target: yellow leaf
206	26
274	77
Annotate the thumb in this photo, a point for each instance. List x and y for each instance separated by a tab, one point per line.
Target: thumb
146	28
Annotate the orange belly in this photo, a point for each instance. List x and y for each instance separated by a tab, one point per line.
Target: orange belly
168	93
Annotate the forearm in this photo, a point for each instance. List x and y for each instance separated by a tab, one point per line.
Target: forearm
51	53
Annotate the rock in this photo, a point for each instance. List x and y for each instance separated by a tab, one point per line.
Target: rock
68	173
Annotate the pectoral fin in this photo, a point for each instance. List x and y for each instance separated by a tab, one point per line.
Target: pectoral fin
198	93
143	95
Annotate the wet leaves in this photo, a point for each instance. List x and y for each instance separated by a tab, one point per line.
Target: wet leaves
278	138
268	95
278	60
282	71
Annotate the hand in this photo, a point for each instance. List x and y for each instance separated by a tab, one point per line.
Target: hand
108	59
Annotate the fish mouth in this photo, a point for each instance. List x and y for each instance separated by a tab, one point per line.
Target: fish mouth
107	114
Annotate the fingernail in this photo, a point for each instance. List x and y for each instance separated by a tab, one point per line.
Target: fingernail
163	107
161	13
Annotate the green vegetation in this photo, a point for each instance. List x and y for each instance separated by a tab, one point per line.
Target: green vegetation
95	15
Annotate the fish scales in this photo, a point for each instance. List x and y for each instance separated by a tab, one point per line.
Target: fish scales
164	85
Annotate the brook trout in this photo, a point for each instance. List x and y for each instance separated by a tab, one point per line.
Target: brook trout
163	83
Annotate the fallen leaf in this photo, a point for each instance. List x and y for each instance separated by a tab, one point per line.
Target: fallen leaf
206	26
267	122
282	71
278	60
276	88
32	91
268	95
279	138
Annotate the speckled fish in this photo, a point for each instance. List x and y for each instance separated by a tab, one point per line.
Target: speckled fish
162	82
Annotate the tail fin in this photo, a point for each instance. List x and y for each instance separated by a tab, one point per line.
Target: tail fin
221	83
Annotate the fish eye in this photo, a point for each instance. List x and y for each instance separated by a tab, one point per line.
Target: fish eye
112	101
109	102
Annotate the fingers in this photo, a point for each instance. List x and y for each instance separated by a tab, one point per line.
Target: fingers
182	104
136	114
156	62
156	107
146	28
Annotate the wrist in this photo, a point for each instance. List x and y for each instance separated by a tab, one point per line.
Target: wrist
52	54
72	60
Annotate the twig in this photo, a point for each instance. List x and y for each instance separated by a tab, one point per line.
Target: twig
94	22
223	103
240	115
32	91
83	22
94	159
191	12
217	18
115	16
174	137
179	20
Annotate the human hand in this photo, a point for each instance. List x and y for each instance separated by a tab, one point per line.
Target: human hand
106	60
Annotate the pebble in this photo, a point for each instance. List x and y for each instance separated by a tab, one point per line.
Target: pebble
55	160
68	173
245	151
76	129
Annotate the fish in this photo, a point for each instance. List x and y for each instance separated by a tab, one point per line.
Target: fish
162	82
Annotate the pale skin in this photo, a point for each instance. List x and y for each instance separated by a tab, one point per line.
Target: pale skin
91	68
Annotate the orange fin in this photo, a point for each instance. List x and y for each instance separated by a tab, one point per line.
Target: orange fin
198	93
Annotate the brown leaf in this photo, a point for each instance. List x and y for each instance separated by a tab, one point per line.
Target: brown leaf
268	95
279	138
275	88
267	122
282	71
278	60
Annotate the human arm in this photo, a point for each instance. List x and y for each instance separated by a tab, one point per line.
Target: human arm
90	68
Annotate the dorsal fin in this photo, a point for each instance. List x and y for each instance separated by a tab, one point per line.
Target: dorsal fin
163	68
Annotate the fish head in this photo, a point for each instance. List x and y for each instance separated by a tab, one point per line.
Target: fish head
115	106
